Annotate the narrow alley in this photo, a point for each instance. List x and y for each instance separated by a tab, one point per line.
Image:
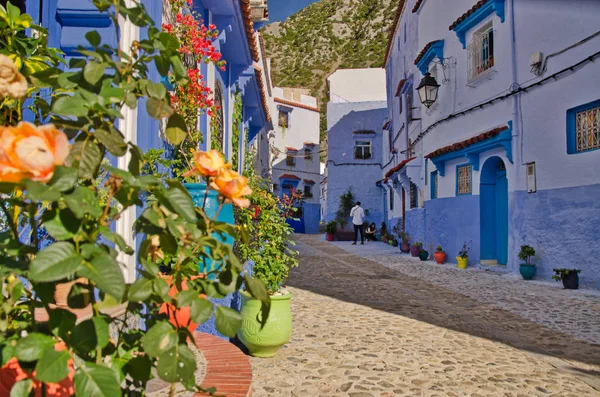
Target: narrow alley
382	324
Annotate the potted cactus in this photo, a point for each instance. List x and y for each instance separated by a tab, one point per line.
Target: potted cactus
439	255
416	249
527	269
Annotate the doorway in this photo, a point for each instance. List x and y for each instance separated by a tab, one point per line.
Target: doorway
494	212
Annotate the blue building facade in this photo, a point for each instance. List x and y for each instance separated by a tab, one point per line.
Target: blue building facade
507	154
354	150
69	20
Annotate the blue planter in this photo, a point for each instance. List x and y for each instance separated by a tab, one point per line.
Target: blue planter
198	191
527	271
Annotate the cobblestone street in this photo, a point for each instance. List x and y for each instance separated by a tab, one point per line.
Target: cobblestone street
370	322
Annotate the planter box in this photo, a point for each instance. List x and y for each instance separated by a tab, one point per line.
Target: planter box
345	236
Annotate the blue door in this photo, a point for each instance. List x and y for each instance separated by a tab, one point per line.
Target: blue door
494	212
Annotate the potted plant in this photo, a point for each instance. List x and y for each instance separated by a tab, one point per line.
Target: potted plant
527	269
423	255
569	277
330	229
268	247
439	255
405	238
463	256
416	249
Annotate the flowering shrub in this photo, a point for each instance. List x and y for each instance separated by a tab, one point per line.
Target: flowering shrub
51	185
193	97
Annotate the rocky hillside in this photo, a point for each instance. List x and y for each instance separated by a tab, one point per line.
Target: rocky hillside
325	36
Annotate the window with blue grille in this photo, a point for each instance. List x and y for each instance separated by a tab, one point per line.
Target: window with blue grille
463	180
583	128
434	185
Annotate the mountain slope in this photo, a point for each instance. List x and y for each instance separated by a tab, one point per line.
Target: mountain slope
325	36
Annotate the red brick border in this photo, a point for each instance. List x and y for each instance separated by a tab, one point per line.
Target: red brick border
227	368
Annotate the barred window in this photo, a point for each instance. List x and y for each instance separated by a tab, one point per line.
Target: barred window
391	200
464	180
290	161
481	52
414	199
284	118
587	129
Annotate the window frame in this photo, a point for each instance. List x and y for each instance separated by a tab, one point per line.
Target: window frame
470	167
409	104
572	127
286	113
290	160
414	196
476	47
370	146
307	154
307	191
391	200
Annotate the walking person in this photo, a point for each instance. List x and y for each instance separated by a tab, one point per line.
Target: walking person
357	214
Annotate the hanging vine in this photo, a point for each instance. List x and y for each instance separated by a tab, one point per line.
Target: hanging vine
237	121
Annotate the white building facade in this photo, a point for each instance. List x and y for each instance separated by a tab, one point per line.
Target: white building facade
507	154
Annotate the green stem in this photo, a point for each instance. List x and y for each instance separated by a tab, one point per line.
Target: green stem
10	220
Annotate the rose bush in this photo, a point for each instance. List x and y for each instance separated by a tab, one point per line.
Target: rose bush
12	83
52	187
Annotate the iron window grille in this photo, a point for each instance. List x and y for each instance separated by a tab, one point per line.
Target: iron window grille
391	200
409	105
464	180
587	129
307	154
480	52
414	196
307	191
362	150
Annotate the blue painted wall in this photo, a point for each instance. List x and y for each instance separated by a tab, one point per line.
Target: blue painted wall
312	216
563	225
343	170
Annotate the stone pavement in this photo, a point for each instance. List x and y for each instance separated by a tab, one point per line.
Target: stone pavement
387	325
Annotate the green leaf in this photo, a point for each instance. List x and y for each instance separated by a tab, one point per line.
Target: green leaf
33	346
176	364
161	288
90	334
61	224
88	155
137	159
176	130
83	201
22	388
58	261
93	37
181	201
118	240
70	106
53	366
139	368
156	90
113	140
228	321
169	41
201	310
39	192
61	322
257	289
158	109
140	290
178	67
93	72
96	380
64	178
186	297
162	65
106	273
160	338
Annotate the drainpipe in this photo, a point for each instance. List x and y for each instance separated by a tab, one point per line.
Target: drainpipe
517	128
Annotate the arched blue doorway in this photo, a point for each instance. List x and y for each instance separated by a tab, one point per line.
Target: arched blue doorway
494	212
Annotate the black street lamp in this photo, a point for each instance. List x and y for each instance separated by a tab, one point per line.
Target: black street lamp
428	90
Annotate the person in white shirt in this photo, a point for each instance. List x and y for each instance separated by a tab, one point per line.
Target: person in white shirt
357	214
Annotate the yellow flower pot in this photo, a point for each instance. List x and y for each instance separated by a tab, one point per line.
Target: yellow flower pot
462	262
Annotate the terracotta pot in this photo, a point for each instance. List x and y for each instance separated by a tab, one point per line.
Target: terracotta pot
405	247
330	237
61	294
440	257
178	316
12	373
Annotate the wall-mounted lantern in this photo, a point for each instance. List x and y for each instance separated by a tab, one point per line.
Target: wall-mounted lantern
428	90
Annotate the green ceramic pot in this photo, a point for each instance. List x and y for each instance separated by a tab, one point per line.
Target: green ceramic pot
265	341
527	271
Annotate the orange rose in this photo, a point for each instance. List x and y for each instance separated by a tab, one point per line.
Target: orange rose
30	152
207	163
233	187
